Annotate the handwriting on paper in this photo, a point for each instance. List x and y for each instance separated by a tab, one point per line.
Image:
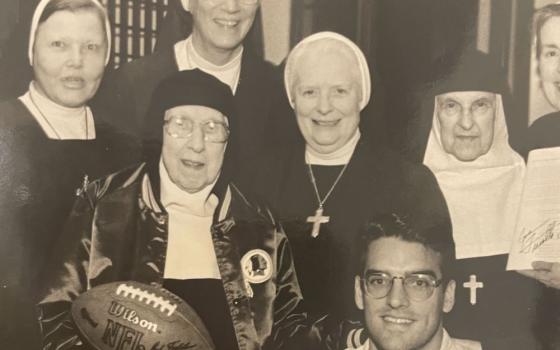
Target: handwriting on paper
533	239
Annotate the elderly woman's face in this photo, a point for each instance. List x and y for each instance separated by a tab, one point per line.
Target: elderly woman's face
326	98
466	121
193	150
69	57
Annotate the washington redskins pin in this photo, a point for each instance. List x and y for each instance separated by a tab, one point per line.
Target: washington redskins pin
257	268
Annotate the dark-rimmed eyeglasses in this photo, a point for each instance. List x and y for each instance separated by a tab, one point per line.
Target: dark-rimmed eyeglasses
418	287
181	127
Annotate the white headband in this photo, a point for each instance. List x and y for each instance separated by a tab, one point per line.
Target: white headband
362	63
35	23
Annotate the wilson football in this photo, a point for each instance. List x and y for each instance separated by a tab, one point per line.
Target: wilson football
135	316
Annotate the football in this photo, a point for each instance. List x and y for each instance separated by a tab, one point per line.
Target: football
135	316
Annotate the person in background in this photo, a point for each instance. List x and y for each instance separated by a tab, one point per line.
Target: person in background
403	285
326	184
546	29
51	146
481	177
544	133
216	47
194	232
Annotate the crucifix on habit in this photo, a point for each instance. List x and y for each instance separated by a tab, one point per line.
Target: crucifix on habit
473	285
317	220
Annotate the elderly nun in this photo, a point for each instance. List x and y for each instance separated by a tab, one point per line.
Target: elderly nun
481	177
51	144
326	185
215	44
192	230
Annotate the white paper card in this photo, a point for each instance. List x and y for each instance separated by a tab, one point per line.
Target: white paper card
537	233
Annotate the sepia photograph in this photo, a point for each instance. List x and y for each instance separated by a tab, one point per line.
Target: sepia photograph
280	174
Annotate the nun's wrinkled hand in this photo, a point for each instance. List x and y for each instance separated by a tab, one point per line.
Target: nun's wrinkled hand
547	273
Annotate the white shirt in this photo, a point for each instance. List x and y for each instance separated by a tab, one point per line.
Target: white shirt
447	343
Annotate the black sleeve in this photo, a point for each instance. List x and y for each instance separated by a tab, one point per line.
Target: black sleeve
66	278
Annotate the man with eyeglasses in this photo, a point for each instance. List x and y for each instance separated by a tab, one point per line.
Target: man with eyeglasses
215	46
402	285
179	222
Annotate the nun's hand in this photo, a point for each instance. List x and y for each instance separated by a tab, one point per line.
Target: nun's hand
547	273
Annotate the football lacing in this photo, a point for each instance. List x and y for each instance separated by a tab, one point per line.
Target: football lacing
146	297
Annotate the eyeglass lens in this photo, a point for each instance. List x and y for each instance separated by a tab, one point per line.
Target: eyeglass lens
182	127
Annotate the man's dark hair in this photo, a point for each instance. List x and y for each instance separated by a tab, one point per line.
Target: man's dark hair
540	17
436	236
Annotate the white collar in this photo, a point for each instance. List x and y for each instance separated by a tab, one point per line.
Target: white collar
173	198
188	58
339	157
59	122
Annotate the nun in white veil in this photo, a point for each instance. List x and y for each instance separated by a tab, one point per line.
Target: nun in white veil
51	145
481	178
333	178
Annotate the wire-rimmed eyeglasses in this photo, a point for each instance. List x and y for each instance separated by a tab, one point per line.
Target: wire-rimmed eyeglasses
418	287
181	127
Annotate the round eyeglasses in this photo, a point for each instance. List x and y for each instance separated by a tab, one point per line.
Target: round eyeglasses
181	127
418	287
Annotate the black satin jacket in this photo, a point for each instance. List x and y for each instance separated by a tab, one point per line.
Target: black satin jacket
118	231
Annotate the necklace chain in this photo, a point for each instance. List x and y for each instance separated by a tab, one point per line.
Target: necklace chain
49	123
314	183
